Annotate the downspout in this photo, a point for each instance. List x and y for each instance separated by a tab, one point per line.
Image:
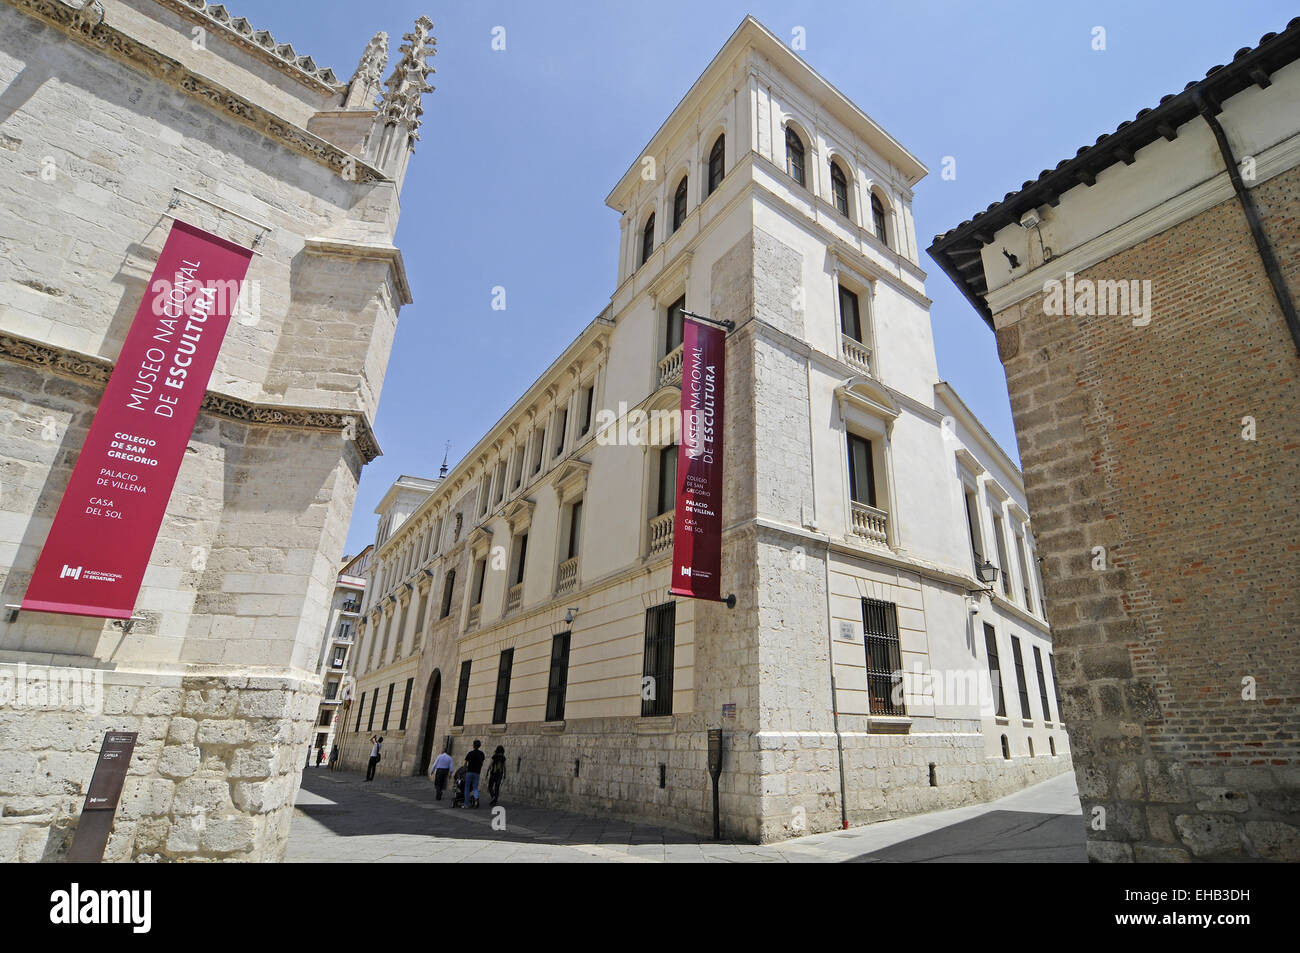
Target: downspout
1256	224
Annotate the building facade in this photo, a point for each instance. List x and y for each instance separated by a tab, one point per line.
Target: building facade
118	117
524	600
340	636
1146	318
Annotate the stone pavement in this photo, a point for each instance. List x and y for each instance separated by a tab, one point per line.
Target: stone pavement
339	817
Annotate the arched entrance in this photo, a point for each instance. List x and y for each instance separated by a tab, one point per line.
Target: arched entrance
431	699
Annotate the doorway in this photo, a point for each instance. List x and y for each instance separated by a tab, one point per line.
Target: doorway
431	699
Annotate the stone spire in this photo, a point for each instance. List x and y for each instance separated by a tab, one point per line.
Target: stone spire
401	106
364	88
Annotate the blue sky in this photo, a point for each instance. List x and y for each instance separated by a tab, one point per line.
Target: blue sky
520	147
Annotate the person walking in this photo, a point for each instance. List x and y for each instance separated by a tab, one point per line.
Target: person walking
496	774
473	768
334	757
320	755
441	769
375	751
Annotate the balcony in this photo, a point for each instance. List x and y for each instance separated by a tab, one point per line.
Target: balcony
670	368
352	606
661	533
870	523
514	597
855	353
474	612
567	579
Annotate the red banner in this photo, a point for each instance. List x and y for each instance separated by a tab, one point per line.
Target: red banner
697	519
104	532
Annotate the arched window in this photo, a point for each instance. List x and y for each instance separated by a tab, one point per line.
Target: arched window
794	156
1031	747
839	189
1051	743
878	219
1006	748
679	204
648	238
716	156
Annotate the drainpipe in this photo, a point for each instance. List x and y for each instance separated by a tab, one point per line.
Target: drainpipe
1266	256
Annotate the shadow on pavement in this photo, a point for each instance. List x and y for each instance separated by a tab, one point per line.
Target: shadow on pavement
997	837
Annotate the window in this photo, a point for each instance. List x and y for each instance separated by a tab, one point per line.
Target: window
448	584
462	693
388	705
679	204
374	703
667	480
484	495
716	157
476	587
973	526
1019	660
862	478
995	670
406	705
575	528
561	424
340	655
850	317
794	156
878	219
502	702
1006	748
345	631
558	683
517	466
517	560
884	657
539	441
586	400
361	710
675	325
1056	686
648	238
1042	684
324	719
657	680
999	538
332	690
500	480
839	189
1024	572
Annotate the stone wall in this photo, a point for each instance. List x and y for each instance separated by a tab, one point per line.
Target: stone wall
1168	520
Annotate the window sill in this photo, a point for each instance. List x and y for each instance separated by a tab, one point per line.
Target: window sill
889	724
655	725
1027	722
1001	720
552	727
456	730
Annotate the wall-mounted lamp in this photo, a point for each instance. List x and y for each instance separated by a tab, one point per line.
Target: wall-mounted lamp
570	616
987	574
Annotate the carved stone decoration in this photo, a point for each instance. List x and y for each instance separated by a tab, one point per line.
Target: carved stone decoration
95	371
117	44
368	79
401	104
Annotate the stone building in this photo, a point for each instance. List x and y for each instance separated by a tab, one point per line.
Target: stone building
1143	297
114	119
522	599
340	636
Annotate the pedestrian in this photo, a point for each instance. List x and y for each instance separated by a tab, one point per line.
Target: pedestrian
473	768
320	755
441	768
375	750
496	774
334	757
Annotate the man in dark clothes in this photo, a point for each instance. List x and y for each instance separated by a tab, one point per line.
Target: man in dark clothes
473	768
496	774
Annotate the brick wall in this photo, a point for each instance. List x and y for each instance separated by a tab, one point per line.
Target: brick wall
1132	441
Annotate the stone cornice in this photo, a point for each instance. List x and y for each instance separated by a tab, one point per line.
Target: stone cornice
95	371
346	249
114	43
260	43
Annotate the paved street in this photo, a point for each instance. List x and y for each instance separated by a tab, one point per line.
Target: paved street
341	818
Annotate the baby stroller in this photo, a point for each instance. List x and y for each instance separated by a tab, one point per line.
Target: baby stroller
458	783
